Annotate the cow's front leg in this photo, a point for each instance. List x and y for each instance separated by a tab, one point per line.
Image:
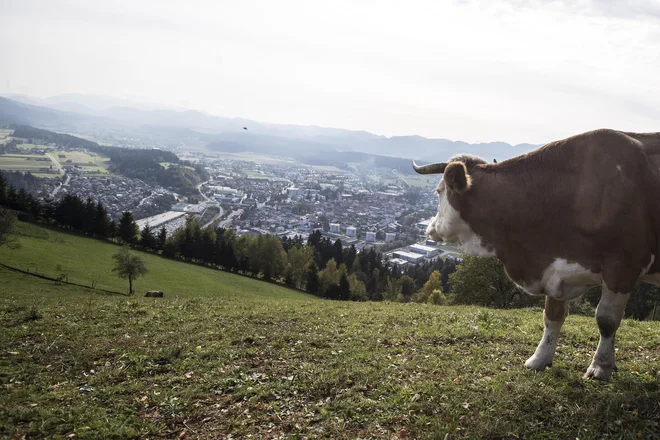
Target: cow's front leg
554	314
609	313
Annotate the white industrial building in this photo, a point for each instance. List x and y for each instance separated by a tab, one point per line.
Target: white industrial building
390	236
351	231
334	228
422	249
409	256
371	236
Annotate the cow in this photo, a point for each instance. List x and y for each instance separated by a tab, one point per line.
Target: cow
575	213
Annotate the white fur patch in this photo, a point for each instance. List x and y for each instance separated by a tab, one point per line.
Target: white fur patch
547	347
564	280
448	226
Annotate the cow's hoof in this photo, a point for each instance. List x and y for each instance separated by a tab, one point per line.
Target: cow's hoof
598	372
537	363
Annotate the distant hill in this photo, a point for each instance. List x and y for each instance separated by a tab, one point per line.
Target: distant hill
79	113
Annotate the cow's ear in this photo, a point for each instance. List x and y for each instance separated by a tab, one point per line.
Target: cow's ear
456	177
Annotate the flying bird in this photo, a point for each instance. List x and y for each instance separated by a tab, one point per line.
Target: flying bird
244	128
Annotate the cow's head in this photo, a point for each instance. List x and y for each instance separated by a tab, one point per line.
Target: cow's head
447	225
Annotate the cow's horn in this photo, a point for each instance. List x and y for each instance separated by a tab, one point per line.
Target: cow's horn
432	168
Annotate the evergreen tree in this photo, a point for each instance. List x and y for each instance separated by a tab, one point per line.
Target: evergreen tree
128	229
89	218
312	279
344	292
162	237
3	190
338	252
101	221
147	238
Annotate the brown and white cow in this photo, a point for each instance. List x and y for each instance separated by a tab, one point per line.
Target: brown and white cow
576	213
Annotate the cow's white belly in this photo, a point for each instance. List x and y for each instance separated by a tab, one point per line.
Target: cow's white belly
564	281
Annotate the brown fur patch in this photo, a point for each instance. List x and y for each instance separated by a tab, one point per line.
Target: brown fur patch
456	177
555	310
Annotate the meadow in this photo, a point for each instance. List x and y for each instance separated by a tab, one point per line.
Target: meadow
28	162
233	357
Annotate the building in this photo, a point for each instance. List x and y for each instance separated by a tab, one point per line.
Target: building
390	236
294	192
424	223
422	249
351	231
409	256
334	228
371	236
398	262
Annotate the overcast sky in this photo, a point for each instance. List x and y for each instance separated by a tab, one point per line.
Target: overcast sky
511	70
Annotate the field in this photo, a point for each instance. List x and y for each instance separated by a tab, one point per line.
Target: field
421	181
91	162
271	160
237	356
28	162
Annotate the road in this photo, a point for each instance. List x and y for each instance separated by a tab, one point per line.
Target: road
199	188
227	221
215	217
57	164
210	202
57	189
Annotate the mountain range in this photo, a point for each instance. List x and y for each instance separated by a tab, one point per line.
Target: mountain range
94	115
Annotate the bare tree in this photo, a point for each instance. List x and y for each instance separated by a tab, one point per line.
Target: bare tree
7	225
129	266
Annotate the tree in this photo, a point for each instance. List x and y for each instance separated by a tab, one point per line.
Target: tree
101	221
344	288
128	229
147	238
358	289
129	266
328	276
407	288
312	279
299	259
7	225
392	289
434	283
483	281
162	237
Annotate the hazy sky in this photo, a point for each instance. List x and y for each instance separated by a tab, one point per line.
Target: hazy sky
511	70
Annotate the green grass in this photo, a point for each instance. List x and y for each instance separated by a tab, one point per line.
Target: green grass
230	358
84	260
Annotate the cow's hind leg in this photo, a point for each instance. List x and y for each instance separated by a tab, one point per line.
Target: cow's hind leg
554	314
609	313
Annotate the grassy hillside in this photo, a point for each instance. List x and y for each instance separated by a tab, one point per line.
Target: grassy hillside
229	358
84	260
